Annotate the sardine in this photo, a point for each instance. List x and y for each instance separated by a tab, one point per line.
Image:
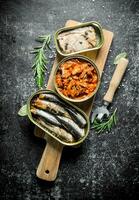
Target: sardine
52	98
71	127
74	114
77	117
48	116
57	131
50	106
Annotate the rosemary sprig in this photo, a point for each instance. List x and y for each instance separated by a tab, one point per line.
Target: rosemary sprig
106	125
40	61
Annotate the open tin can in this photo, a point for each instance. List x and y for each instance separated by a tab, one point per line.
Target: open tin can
49	163
87	127
98	32
84	59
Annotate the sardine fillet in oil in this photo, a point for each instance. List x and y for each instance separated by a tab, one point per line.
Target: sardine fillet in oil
57	131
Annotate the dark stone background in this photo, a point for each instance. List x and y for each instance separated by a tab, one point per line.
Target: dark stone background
106	166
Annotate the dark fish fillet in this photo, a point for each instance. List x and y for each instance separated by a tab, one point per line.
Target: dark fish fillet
57	131
52	107
78	118
75	115
71	127
46	115
52	98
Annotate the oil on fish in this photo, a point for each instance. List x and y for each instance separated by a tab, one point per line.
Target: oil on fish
74	114
57	131
58	117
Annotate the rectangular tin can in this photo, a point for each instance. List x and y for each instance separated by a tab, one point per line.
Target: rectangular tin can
76	143
99	35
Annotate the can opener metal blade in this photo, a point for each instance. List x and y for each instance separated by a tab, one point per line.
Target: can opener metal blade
100	112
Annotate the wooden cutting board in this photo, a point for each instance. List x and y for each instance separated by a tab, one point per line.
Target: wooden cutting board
49	163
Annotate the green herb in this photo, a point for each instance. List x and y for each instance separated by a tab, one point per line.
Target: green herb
23	110
40	62
107	124
119	56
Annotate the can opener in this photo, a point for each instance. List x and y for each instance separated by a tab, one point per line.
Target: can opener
102	111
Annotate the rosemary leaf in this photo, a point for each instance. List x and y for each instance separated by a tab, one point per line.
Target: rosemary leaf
23	111
40	60
119	56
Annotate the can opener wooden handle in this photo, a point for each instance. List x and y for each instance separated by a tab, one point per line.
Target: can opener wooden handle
49	163
116	79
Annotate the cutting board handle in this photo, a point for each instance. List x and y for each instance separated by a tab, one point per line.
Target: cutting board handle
49	163
116	79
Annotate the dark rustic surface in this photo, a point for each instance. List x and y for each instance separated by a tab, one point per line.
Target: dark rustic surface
106	166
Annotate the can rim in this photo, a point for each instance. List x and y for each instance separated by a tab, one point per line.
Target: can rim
87	97
94	23
47	132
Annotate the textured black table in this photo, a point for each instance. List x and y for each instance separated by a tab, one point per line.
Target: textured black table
106	166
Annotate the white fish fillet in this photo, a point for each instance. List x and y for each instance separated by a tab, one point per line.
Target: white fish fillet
78	39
